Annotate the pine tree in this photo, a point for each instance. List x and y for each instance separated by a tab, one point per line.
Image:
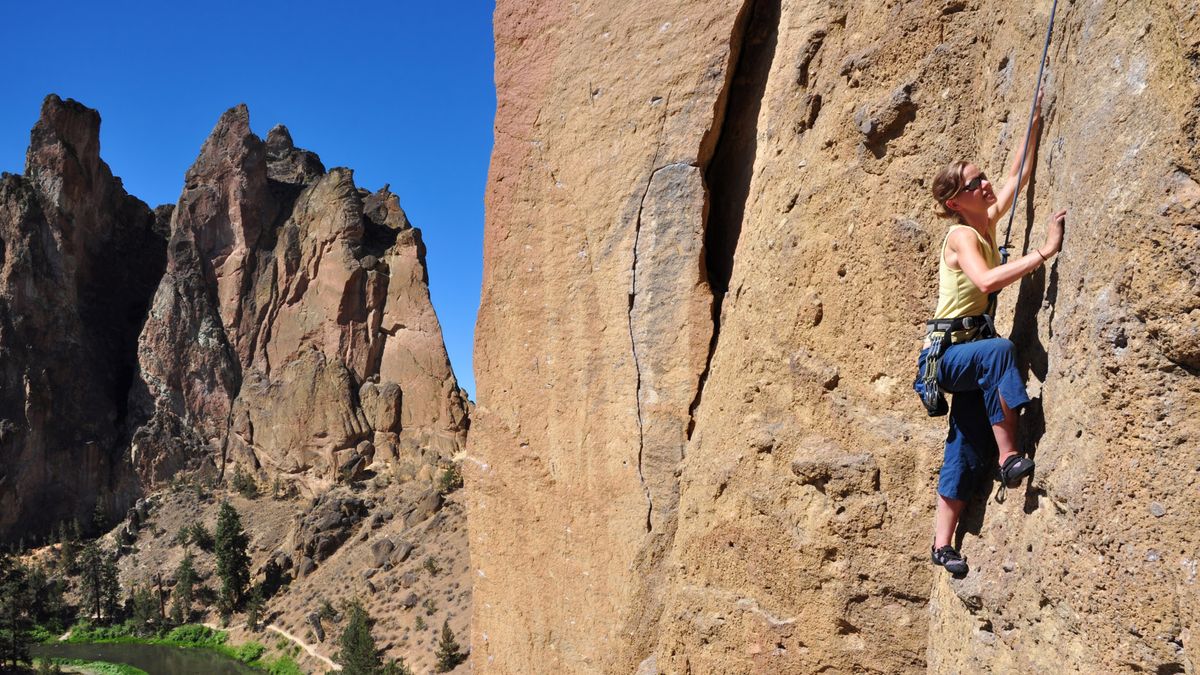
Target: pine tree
15	621
68	549
91	577
110	585
448	654
396	667
99	519
233	563
144	610
185	583
48	606
254	607
358	654
225	605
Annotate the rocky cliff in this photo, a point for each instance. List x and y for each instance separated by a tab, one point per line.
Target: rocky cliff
277	317
292	330
710	246
70	313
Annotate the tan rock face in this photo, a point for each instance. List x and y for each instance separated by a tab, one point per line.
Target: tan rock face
301	306
710	245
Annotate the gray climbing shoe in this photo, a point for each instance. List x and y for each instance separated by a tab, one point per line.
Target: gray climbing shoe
949	558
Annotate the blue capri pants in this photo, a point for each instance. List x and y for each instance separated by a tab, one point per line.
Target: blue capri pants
978	374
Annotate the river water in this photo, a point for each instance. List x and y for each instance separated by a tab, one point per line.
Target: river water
154	659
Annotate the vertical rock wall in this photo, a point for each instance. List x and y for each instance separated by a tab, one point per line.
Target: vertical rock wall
69	317
709	248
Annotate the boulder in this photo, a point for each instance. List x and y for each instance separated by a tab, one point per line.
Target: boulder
329	523
381	551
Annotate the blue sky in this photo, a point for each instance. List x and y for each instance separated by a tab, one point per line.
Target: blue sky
401	92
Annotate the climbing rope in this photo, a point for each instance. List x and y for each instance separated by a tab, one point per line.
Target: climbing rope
1002	491
1028	131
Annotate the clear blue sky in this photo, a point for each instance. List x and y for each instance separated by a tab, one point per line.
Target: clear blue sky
401	92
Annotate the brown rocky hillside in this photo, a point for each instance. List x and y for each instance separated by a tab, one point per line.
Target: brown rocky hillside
400	549
710	247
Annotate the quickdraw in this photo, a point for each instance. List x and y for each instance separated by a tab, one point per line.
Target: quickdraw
941	334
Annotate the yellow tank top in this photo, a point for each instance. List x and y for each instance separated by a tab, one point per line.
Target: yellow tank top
958	296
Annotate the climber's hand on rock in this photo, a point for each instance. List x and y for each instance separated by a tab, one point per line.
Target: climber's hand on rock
1054	234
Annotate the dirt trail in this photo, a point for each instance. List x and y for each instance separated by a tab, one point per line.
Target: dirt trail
311	652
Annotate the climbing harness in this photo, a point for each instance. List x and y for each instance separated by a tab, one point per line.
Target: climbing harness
1025	149
941	333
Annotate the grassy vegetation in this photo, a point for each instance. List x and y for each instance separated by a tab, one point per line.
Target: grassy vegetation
42	634
284	665
192	636
100	667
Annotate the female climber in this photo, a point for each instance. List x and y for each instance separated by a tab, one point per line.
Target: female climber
978	367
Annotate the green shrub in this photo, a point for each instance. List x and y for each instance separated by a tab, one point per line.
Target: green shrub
249	652
100	667
244	483
284	665
449	654
42	634
450	480
84	631
195	533
326	611
195	635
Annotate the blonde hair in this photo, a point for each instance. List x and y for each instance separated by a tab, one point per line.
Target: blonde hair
946	185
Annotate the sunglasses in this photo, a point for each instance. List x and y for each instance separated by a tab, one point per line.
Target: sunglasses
973	184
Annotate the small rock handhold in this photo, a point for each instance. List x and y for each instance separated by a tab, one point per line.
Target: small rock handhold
1157	510
834	474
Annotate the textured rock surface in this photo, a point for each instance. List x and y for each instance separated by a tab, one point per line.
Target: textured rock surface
764	505
70	309
293	324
